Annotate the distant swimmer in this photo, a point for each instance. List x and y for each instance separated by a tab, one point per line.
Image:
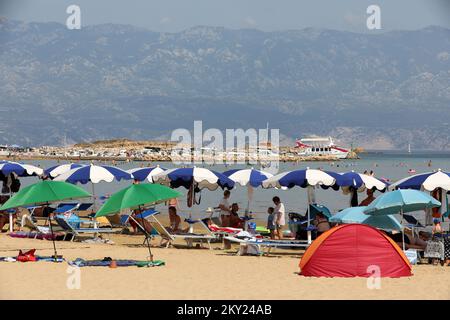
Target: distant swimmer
411	171
429	163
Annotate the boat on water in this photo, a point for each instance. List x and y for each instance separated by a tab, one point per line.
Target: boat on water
320	146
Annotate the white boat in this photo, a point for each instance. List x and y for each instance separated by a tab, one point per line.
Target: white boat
320	146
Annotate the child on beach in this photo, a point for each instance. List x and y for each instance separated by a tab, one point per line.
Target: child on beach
270	222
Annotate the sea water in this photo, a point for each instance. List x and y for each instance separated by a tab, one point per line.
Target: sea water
388	165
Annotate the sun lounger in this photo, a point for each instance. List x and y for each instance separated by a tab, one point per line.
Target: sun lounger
268	243
68	228
27	221
63	208
218	231
170	237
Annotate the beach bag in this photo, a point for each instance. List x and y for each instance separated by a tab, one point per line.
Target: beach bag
249	250
26	256
412	256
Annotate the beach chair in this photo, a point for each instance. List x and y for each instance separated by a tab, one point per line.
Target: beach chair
217	232
170	237
64	208
268	243
76	232
27	221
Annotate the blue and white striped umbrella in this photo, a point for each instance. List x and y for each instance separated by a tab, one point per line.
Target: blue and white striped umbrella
360	182
94	174
55	171
21	169
147	173
248	176
304	178
204	178
424	181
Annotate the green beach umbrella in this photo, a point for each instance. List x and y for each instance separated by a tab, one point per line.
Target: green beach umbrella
43	193
137	196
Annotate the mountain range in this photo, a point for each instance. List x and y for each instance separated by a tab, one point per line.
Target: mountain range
378	91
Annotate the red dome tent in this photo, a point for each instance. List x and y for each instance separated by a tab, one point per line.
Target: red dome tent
349	249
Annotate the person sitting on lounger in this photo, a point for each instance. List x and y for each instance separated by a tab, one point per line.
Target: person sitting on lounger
135	219
235	220
175	220
321	223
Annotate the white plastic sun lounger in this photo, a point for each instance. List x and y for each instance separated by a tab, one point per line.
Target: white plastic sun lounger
170	237
267	243
76	232
27	221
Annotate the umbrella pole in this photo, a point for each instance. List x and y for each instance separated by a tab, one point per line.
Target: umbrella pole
403	229
146	236
93	197
309	216
53	238
11	225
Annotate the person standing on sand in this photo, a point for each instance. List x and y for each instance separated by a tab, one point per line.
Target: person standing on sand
279	218
224	207
270	222
369	198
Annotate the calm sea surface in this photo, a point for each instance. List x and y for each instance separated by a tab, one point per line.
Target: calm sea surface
389	165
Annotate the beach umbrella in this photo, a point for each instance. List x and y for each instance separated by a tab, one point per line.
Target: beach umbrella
137	196
147	173
21	169
398	201
401	201
201	177
353	182
430	181
424	181
194	179
94	174
305	178
357	215
248	177
44	193
57	170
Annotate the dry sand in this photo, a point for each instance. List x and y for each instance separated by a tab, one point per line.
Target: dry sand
194	274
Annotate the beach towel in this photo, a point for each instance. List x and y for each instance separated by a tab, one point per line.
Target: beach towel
36	235
447	248
434	249
120	263
214	228
38	258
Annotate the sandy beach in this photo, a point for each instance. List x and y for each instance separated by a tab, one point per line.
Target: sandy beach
194	274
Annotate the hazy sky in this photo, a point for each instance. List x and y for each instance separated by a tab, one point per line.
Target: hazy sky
175	15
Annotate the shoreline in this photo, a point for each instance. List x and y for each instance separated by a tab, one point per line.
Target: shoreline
169	159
